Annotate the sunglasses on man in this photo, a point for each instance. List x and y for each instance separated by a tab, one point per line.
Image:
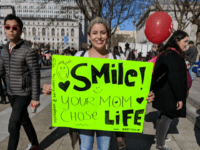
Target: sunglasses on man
15	28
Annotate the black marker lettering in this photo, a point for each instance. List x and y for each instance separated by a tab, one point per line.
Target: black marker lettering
133	73
105	100
114	75
116	102
120	77
137	113
125	116
104	70
61	116
123	99
88	115
117	118
83	79
107	120
73	116
80	114
75	101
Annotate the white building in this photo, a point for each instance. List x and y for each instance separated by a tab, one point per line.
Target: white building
49	22
141	38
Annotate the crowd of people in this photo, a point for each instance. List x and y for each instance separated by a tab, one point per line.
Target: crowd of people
19	66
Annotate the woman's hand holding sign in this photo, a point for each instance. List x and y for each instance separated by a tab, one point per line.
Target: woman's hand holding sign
151	97
46	89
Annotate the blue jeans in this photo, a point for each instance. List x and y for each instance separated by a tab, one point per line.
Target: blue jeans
87	139
190	70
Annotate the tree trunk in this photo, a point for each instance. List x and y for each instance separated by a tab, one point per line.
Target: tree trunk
109	41
109	45
198	42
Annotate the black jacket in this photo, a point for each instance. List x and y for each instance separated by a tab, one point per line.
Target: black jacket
23	60
191	54
172	87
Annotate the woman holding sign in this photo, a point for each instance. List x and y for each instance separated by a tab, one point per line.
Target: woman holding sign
98	33
170	85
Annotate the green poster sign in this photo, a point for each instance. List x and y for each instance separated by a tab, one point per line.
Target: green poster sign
99	94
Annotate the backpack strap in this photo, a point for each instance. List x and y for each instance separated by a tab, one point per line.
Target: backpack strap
83	53
114	56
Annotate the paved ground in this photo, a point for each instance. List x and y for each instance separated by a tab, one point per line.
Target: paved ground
195	89
182	132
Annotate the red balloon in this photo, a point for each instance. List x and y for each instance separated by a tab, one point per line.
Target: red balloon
158	27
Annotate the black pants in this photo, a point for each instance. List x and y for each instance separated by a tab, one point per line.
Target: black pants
1	88
19	116
162	127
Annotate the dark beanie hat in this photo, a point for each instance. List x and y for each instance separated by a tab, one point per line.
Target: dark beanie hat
191	42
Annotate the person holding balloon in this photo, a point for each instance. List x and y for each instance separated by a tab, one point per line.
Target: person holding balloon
169	81
171	90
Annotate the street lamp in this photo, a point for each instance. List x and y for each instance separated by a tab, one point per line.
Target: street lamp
134	22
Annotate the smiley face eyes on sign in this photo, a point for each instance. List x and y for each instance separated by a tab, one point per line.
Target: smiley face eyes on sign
98	90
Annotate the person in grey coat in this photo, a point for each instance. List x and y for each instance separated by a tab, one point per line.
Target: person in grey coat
191	54
20	64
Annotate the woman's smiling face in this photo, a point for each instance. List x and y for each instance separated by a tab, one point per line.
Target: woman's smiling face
98	36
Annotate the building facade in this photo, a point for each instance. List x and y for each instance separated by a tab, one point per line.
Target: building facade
49	22
167	5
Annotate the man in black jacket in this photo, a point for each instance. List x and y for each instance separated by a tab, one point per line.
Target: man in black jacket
191	54
20	64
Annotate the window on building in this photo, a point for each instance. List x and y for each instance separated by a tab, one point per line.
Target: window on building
53	32
34	32
43	32
62	32
57	39
72	32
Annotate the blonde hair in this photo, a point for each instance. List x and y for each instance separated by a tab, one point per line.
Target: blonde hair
98	20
